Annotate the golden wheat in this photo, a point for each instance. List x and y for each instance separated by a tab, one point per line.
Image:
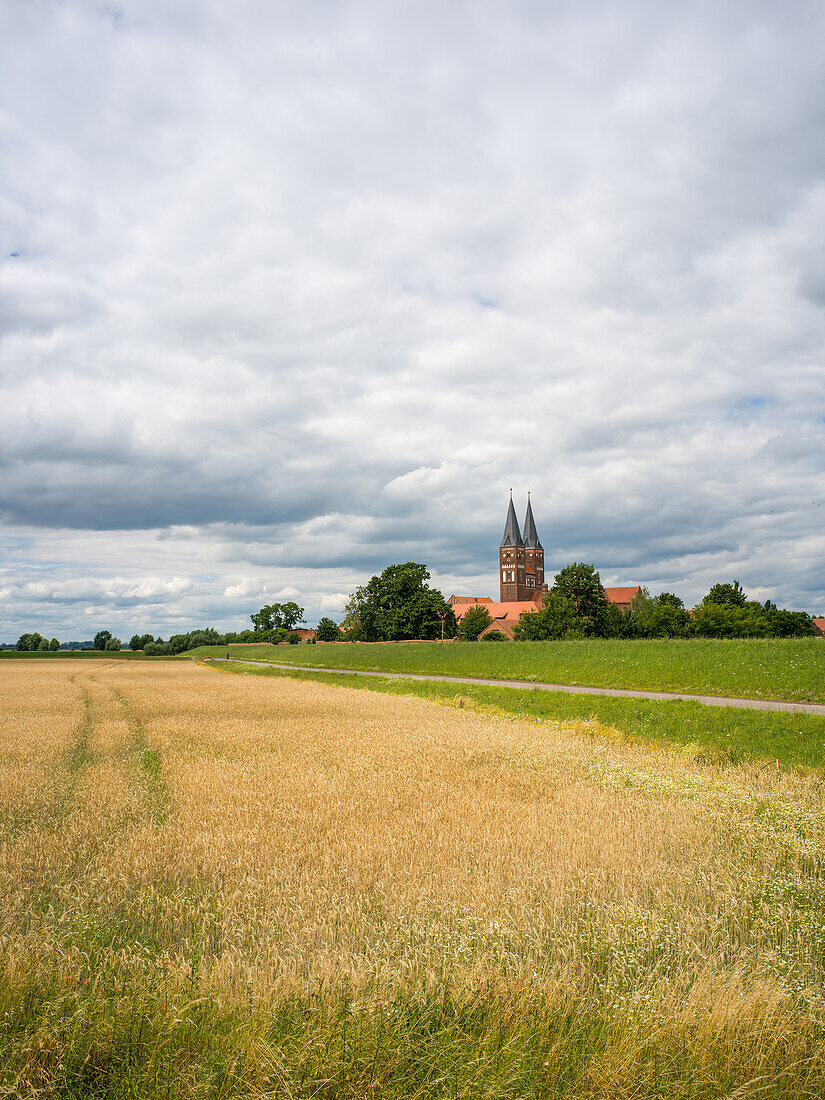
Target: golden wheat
240	838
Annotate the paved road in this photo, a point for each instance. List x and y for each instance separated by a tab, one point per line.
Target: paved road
570	689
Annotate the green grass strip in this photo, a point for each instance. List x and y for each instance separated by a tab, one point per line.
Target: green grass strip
150	763
754	668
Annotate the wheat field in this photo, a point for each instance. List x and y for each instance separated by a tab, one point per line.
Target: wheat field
218	885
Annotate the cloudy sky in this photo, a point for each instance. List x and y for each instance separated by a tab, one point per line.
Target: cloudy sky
293	290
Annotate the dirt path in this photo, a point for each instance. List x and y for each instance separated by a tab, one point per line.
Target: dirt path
569	689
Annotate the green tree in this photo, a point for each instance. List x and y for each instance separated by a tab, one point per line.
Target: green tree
557	618
669	599
660	616
667	621
790	624
582	584
327	631
113	645
140	641
718	620
474	620
28	643
726	595
207	636
275	616
54	645
397	604
101	638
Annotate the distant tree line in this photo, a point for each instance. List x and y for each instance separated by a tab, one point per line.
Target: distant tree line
29	643
577	607
398	604
274	623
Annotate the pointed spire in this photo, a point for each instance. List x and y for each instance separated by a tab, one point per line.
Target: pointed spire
531	538
512	535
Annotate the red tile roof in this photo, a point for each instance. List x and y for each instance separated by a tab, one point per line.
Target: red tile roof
622	595
499	626
511	612
820	625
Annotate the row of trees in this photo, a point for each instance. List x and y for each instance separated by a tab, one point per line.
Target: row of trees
273	623
577	607
398	604
178	643
30	643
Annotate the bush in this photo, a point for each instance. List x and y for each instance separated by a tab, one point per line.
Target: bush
294	639
495	636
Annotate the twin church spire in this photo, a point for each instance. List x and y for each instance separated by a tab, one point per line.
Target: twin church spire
521	558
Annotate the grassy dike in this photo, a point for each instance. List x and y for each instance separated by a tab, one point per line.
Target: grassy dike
714	735
757	668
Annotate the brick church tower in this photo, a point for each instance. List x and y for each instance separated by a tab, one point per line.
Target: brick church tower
521	560
533	553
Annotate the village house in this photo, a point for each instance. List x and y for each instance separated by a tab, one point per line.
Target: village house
521	578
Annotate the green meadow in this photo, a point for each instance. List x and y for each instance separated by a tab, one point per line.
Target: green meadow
769	668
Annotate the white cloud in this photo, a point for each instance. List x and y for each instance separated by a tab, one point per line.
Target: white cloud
249	587
333	601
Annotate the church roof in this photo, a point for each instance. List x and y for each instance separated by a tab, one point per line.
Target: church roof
622	595
512	535
531	538
510	611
